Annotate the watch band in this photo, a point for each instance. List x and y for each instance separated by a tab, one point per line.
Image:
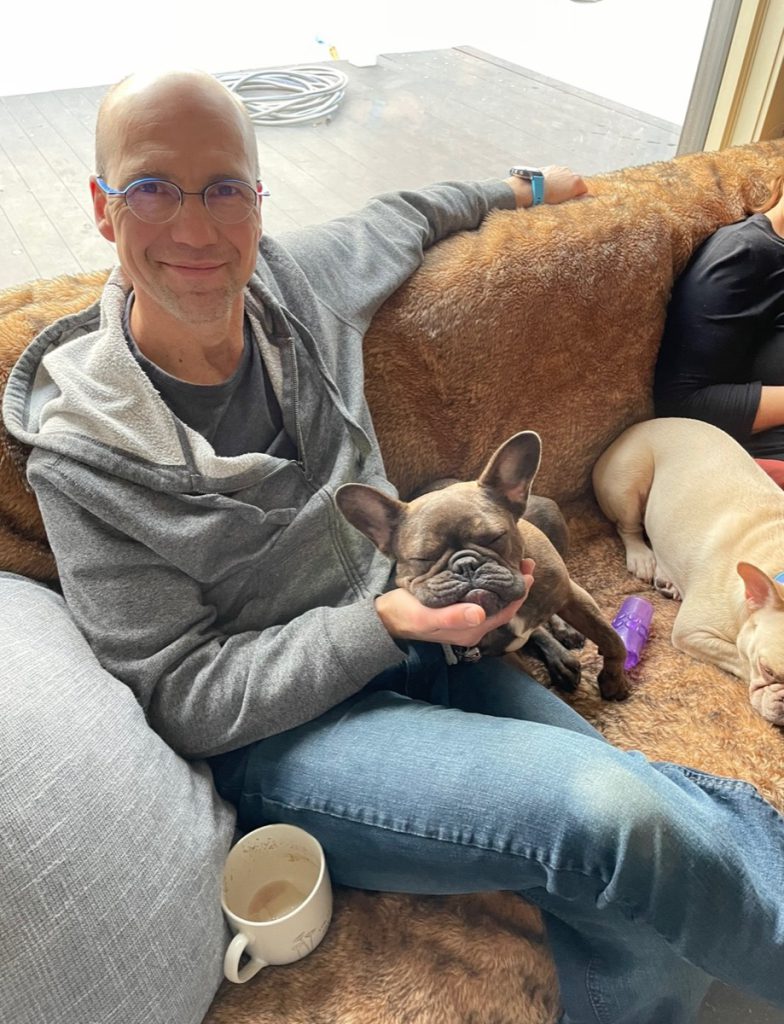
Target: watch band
536	179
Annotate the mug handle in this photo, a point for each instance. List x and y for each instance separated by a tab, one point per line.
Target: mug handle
231	961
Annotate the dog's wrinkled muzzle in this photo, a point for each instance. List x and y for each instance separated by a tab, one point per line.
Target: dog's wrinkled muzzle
473	578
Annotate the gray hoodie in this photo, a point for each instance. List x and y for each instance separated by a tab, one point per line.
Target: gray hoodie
229	593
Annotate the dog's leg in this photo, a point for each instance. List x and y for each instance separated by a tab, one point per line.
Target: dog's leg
563	668
565	634
582	612
622	482
693	637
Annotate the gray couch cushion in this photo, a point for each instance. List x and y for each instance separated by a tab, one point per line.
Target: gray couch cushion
111	846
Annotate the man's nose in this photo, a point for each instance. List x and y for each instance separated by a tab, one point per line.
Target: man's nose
194	224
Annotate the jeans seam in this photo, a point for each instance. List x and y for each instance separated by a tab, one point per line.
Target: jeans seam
598	1005
719	782
531	855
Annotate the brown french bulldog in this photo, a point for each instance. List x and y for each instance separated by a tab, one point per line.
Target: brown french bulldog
465	542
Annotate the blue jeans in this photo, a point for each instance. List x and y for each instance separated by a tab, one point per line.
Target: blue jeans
652	877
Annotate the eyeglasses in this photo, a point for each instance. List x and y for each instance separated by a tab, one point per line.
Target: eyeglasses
156	201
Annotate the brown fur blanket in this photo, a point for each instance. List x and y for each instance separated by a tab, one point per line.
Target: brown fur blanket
546	319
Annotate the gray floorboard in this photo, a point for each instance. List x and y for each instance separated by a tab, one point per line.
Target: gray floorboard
411	119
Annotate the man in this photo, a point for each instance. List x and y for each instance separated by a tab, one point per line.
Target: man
187	441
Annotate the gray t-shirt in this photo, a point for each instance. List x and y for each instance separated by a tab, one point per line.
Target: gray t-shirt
238	415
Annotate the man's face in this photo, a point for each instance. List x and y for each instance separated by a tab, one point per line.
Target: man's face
192	268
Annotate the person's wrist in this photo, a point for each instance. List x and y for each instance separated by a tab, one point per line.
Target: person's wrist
535	179
522	192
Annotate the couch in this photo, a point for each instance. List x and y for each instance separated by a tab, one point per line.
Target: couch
111	845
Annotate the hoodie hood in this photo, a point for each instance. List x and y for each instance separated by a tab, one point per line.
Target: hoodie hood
77	390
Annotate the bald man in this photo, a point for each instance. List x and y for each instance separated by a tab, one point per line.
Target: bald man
188	434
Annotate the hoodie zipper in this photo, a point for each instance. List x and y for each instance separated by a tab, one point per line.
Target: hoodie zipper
301	461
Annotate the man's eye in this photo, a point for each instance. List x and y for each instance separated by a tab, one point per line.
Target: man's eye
149	187
226	189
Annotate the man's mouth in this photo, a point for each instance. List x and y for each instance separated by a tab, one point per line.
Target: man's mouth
192	269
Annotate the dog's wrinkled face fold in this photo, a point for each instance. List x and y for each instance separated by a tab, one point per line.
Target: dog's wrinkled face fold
761	642
460	543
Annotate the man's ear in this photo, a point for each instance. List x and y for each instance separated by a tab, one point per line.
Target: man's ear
372	512
101	209
761	591
512	468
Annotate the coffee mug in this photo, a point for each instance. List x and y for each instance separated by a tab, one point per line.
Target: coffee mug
277	898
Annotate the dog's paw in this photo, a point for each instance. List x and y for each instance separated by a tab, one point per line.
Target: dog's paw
640	560
666	588
565	634
565	672
613	685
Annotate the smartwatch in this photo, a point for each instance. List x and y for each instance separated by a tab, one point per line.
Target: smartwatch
535	177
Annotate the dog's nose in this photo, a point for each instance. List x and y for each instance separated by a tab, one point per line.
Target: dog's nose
464	562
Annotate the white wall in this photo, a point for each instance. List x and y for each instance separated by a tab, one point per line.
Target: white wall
642	53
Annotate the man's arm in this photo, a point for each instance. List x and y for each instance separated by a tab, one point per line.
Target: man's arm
356	262
204	688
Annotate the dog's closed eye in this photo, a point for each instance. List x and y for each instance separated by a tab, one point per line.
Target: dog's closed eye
488	542
768	672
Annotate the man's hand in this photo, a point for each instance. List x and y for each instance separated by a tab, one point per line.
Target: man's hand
560	184
463	624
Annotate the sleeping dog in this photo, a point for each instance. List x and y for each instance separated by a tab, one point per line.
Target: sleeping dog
715	525
465	542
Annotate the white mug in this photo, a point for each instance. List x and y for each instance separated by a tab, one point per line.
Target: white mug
277	898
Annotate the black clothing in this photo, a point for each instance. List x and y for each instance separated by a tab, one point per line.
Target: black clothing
724	335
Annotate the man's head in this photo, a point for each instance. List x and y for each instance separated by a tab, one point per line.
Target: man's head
184	127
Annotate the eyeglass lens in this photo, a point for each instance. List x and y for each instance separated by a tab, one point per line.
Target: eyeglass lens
158	201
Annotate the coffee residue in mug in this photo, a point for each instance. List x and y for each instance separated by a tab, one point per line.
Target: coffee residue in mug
274	900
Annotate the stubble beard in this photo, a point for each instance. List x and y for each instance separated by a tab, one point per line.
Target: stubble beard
200	307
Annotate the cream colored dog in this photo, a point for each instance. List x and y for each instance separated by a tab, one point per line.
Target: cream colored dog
715	523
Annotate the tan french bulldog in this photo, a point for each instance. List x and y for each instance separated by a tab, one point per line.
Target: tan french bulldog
715	524
465	542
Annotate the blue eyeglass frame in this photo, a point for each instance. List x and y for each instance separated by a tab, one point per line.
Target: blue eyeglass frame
109	191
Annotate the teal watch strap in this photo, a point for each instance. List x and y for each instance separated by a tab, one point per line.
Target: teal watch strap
536	180
537	188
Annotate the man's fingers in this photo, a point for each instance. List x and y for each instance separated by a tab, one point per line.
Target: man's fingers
460	616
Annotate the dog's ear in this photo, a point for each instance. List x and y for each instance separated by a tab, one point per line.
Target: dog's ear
512	468
372	512
761	591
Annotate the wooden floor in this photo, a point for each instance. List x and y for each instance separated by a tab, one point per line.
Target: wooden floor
412	119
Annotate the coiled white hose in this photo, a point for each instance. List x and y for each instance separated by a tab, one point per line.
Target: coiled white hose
294	95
